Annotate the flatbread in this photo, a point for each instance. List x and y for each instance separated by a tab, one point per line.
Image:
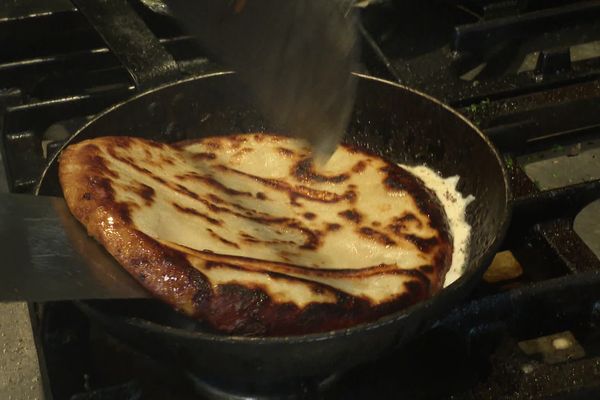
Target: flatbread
243	233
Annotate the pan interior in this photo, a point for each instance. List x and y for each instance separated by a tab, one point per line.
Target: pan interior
395	122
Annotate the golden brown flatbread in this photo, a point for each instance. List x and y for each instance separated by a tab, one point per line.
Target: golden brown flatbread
242	232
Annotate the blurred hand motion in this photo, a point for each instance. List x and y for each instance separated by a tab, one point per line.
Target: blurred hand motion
296	59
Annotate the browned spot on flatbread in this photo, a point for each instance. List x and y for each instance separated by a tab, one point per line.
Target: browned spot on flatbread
215	199
285	152
398	179
297	191
125	142
309	216
146	192
359	167
428	269
333	227
400	224
192	211
304	171
97	163
423	244
377	236
222	239
212	144
204	156
214	183
167	160
351	215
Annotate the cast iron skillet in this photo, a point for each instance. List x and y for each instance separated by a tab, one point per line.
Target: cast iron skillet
394	121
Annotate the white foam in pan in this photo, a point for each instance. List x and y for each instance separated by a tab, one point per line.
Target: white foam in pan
455	205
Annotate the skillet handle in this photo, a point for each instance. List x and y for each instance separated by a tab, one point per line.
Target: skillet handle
128	37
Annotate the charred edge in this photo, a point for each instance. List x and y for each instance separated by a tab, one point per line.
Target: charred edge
272	137
351	215
248	310
359	167
204	156
235	139
197	213
237	308
423	244
126	142
185	284
156	145
424	289
212	182
377	236
398	179
145	192
309	216
303	170
222	239
212	144
443	259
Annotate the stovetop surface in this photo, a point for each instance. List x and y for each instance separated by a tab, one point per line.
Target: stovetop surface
528	73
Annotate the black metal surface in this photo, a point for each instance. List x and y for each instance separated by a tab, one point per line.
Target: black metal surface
50	75
421	131
479	36
130	39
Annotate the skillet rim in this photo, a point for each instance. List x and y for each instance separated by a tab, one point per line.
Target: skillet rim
320	336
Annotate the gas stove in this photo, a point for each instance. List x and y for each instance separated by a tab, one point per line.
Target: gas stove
526	72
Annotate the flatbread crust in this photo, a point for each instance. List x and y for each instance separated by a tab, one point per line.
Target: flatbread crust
241	232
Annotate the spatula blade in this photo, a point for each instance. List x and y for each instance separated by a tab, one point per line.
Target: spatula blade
295	58
47	255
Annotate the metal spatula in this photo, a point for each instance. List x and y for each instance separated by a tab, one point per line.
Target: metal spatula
47	255
294	56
